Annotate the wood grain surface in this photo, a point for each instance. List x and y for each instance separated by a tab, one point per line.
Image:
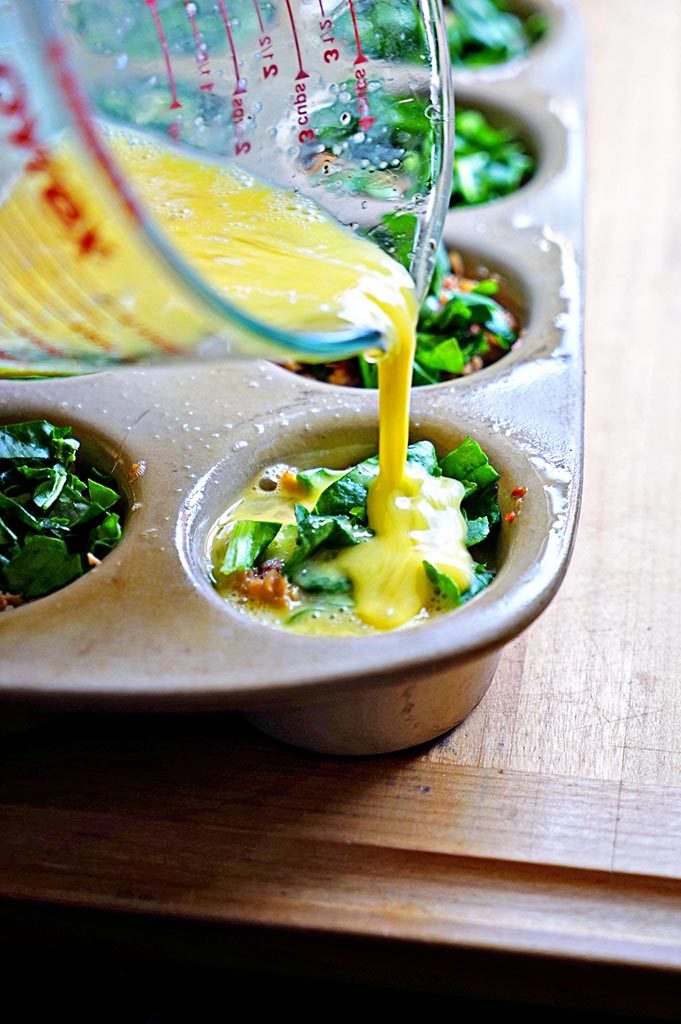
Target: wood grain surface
550	821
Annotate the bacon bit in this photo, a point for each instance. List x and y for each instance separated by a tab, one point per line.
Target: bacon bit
340	374
136	470
519	492
449	284
290	482
293	367
92	560
475	364
510	517
266	585
10	601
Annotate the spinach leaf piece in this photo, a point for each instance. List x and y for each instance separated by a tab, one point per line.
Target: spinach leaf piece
7	536
396	233
106	536
482	577
440	354
350	491
369	372
421	376
22	441
484	32
441	269
323	531
100	495
283	544
247	541
41	565
483	502
50	482
444	584
348	495
476	530
469	462
318	577
16	511
448	589
323	603
72	505
490	162
313	479
64	446
44	507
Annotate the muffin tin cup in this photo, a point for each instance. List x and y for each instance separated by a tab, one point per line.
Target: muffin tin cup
146	630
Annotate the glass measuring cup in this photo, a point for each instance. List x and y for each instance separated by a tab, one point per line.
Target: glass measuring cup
284	88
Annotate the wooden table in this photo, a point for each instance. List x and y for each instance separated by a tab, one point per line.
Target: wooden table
549	824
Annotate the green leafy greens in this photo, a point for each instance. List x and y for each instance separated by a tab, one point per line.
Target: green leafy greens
54	524
305	550
484	32
490	162
480	32
491	159
457	331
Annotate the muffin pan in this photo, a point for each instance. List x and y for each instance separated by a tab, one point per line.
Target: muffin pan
145	630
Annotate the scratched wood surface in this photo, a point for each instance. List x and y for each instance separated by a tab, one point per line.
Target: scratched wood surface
550	822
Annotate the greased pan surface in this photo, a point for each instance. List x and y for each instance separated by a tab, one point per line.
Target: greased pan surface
146	629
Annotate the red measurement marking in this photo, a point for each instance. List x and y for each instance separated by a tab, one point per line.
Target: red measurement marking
201	50
302	73
240	87
257	11
174	131
360	58
321	8
151	4
56	192
56	54
365	118
44	346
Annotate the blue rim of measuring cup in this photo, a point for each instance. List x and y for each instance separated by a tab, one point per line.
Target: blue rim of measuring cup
270	340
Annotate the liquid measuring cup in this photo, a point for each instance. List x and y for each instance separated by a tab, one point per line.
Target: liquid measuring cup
298	92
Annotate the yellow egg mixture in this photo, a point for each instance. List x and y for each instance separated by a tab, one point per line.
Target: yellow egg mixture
280	258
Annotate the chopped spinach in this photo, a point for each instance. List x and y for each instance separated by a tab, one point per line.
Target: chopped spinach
455	328
348	495
469	462
480	32
485	32
445	585
489	162
56	517
246	543
482	577
306	548
317	577
458	331
327	531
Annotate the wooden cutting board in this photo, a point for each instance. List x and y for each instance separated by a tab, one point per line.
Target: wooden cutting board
549	823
